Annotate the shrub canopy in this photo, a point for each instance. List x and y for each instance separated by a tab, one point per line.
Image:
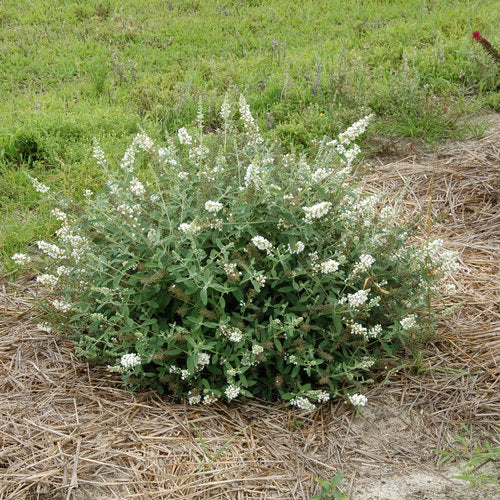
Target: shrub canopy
213	266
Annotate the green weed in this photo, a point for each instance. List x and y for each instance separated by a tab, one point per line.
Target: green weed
329	489
476	455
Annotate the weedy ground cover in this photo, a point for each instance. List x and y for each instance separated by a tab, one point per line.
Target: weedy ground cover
479	458
72	70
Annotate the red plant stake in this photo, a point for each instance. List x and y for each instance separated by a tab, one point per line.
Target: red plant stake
487	46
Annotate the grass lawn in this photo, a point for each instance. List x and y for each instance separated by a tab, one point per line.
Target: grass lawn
75	70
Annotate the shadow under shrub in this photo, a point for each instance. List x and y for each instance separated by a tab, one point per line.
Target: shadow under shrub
214	267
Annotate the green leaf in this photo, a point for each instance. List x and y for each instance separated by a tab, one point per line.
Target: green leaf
190	340
336	480
278	344
192	362
338	324
173	352
203	296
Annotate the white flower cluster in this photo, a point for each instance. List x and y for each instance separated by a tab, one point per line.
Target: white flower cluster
317	211
232	391
225	109
137	187
113	187
44	327
203	359
47	279
130	360
128	160
61	305
254	175
213	206
297	248
39	187
351	154
210	398
232	333
257	349
167	155
355	299
59	214
355	130
128	211
51	250
261	280
365	262
78	243
251	128
182	175
347	138
409	321
100	317
323	397
320	174
358	329
98	154
231	269
198	153
365	209
21	259
184	137
374	331
357	399
445	259
262	244
144	142
386	212
193	399
367	362
447	288
303	403
189	228
328	266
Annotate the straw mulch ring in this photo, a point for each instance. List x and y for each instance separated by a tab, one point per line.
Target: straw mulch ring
70	430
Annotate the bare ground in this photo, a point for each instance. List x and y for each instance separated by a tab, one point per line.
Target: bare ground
69	430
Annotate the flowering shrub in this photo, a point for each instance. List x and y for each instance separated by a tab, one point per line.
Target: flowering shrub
213	267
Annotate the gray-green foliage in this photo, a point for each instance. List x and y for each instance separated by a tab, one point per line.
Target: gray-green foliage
227	269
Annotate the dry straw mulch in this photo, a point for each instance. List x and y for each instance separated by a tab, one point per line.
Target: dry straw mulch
69	430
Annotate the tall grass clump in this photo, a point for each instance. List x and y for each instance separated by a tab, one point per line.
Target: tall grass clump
214	267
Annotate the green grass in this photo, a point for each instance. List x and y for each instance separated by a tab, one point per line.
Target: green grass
73	70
